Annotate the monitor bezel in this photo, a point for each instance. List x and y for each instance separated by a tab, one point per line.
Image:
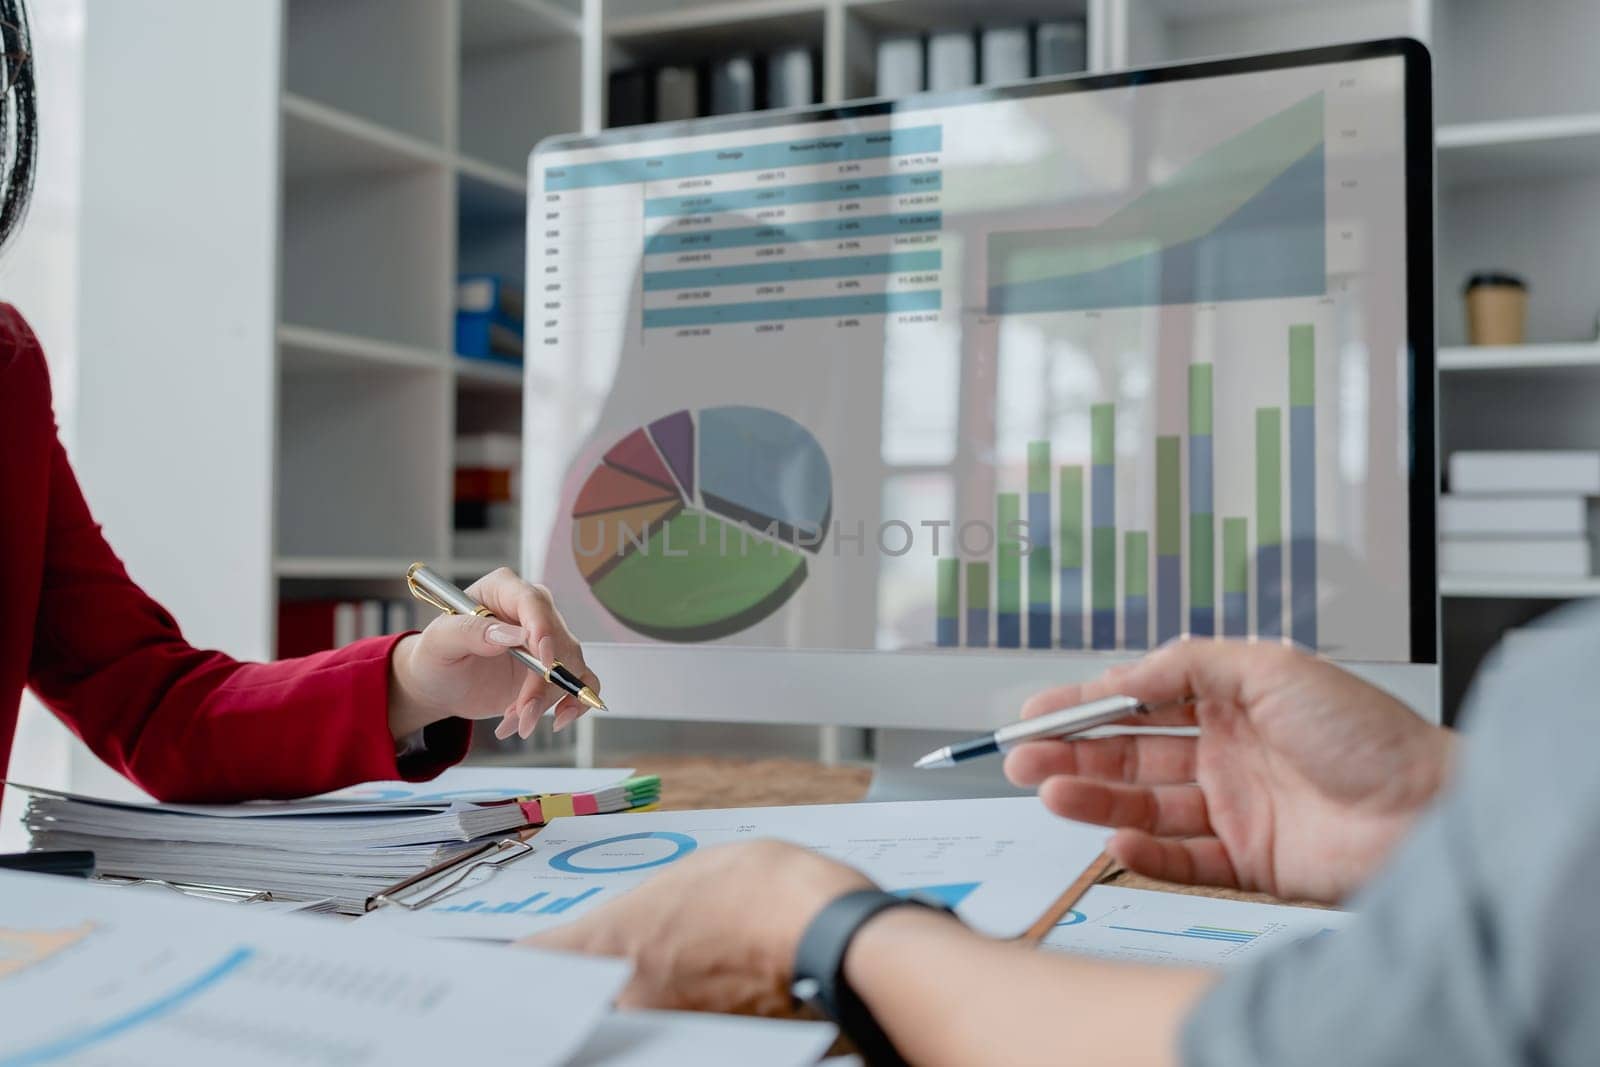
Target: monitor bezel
1422	446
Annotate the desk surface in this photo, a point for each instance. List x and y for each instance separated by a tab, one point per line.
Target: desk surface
689	782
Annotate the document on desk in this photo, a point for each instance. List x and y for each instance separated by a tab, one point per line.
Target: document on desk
1113	922
91	974
345	845
457	789
659	1038
1000	863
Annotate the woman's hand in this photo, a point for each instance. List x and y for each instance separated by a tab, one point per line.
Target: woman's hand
715	932
1301	781
458	664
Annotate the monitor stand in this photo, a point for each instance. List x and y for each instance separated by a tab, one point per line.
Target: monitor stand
894	777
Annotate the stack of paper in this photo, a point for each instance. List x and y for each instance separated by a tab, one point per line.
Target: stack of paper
346	846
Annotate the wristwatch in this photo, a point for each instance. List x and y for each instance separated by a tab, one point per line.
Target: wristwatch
819	981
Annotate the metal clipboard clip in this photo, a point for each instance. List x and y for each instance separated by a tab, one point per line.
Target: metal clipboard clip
233	894
492	856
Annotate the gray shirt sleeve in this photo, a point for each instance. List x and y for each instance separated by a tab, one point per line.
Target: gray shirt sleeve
1479	942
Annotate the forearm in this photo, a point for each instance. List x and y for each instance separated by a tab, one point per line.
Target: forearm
408	711
946	995
192	725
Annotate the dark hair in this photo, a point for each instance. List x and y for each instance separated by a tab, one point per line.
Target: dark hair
19	132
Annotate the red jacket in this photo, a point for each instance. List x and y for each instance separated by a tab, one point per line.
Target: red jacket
183	723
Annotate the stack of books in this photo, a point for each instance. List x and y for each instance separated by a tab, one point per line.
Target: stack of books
307	626
487	513
1520	514
340	847
489	318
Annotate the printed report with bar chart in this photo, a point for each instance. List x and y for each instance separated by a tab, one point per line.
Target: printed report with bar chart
1000	862
1054	372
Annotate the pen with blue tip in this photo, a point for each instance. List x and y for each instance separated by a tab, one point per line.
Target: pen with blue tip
1055	724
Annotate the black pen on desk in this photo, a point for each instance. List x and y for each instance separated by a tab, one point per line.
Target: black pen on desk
429	587
1055	724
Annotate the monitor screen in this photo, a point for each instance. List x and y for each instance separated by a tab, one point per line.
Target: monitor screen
1074	367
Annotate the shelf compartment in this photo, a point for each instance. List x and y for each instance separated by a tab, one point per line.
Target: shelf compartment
705	31
1541	56
306	350
362	469
1544	230
491	228
514	93
1519	409
361	255
379	59
1517	149
491	24
323	142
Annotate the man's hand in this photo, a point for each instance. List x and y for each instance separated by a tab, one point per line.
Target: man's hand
1301	781
718	932
715	932
458	665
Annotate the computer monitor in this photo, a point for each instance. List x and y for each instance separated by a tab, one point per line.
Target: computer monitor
892	414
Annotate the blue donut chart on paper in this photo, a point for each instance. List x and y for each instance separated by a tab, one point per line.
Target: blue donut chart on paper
684	844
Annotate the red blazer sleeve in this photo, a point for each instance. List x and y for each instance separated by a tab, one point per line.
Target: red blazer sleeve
188	724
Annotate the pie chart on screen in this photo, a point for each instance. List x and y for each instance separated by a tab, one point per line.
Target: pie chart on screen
697	525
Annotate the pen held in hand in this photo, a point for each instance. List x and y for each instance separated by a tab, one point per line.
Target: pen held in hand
428	586
1054	724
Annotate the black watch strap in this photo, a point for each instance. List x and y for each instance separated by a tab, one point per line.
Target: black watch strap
819	970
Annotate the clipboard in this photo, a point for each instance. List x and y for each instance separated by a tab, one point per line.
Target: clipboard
1102	866
491	855
205	891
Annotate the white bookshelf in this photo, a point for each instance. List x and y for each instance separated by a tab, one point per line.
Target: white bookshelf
402	128
1518	105
405	129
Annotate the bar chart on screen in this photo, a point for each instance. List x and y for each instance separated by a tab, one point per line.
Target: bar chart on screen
1062	573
